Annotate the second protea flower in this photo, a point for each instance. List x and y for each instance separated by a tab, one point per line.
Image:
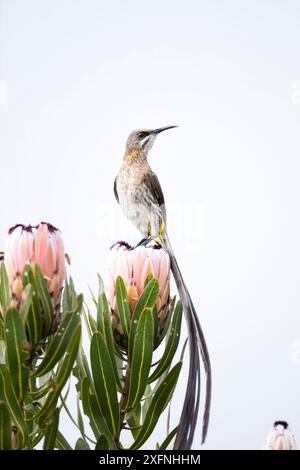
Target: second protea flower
134	266
280	438
41	245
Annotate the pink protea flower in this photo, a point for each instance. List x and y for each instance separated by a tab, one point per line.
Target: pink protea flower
280	438
41	244
134	266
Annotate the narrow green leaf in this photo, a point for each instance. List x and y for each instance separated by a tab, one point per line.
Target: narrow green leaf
36	440
5	428
133	418
45	299
34	319
51	432
69	296
61	376
92	324
61	340
61	442
123	306
105	384
2	350
25	307
167	319
168	439
146	401
92	410
81	444
102	443
5	293
39	393
7	394
2	335
104	326
16	354
148	279
141	358
157	406
83	367
172	344
146	300
79	418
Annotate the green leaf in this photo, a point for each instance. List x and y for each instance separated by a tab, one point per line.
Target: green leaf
16	355
156	326
172	344
123	306
61	442
92	324
51	432
133	418
25	307
81	444
7	394
167	319
157	406
105	328
5	294
79	418
39	393
92	410
69	296
34	320
5	428
2	335
45	299
61	376
141	358
146	300
105	383
148	279
146	400
168	439
83	369
102	443
61	341
2	351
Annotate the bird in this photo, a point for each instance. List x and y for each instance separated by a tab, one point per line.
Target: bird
138	191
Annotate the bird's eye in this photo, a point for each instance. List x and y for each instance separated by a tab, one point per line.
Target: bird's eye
142	135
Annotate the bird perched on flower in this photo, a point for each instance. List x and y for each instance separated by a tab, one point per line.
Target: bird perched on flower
139	193
134	266
280	438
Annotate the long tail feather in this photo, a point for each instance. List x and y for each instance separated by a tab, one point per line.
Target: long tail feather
197	347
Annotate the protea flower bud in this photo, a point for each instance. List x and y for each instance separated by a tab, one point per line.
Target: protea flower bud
41	244
280	438
134	266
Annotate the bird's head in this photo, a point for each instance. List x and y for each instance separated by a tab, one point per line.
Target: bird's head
140	141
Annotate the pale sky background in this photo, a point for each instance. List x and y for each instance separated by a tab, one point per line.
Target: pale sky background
78	76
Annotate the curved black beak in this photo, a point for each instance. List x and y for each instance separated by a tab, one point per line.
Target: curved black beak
161	129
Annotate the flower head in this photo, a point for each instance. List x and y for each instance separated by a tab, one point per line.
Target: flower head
41	244
280	437
134	266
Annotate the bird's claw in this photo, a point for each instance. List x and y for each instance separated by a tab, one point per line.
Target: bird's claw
143	242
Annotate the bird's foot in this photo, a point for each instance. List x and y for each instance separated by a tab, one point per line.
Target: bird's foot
143	242
158	240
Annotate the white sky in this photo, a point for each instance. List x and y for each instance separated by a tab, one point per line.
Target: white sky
78	76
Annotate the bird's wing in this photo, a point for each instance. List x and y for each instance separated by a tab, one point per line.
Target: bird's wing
115	190
156	190
156	195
